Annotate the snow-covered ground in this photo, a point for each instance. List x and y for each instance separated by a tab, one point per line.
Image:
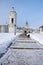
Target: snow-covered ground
38	37
5	40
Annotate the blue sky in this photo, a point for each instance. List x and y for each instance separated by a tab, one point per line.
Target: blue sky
27	10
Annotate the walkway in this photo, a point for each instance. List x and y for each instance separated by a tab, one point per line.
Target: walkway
24	51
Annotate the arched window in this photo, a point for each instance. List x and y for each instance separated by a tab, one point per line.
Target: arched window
12	20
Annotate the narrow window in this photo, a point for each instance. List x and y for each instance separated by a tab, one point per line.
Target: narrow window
12	20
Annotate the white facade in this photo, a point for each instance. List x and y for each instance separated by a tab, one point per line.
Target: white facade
41	29
12	22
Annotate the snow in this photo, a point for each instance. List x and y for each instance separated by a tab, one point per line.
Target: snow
38	37
5	40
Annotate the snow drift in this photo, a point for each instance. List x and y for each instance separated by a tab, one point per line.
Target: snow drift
5	40
37	37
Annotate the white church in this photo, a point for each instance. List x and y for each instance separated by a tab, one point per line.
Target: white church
11	27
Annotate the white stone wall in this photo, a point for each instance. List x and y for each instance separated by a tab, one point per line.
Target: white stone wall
3	28
0	28
12	26
41	30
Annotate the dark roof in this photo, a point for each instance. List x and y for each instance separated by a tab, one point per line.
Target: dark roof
41	26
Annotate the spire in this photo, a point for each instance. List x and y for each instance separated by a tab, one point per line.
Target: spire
27	23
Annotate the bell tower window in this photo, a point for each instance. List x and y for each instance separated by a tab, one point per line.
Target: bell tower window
12	20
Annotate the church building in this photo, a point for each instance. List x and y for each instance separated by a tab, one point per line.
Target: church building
11	26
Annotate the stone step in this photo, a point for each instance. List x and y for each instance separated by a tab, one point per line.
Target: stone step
26	41
26	45
26	48
23	38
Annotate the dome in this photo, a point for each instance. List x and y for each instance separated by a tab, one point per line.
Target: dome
12	9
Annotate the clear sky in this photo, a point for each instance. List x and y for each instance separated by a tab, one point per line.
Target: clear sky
27	10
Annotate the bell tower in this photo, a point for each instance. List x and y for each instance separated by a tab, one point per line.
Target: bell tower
12	22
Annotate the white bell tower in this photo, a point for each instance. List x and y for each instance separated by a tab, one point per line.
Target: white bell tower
12	22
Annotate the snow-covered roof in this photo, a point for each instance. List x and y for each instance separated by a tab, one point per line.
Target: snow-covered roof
4	24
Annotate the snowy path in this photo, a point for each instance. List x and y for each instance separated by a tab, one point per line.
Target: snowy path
24	51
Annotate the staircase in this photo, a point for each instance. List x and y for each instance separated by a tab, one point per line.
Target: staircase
24	51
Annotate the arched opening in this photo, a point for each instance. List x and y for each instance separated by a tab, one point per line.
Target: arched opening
12	20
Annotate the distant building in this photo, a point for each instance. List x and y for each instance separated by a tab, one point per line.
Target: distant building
41	29
26	28
26	25
4	28
11	26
